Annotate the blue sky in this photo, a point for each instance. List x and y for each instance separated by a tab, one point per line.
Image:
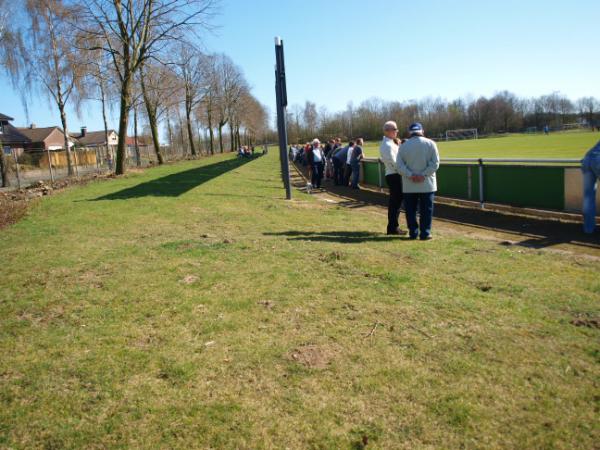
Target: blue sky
339	51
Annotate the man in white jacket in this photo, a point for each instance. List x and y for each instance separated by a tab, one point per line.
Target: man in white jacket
388	151
418	160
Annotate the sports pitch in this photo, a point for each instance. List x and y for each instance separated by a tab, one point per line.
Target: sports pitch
565	145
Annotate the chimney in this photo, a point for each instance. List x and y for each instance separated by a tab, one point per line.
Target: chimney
83	131
32	126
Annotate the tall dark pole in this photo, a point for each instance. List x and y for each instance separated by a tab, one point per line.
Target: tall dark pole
281	96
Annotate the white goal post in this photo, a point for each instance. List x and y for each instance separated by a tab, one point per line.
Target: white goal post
467	133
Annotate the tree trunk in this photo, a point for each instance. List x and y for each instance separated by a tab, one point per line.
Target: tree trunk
211	132
103	100
221	125
232	136
170	131
151	110
123	124
63	119
154	130
188	117
3	167
135	137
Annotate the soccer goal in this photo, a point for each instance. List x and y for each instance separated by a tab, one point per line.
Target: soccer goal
467	133
571	126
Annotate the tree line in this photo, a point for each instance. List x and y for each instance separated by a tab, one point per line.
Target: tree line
504	112
141	56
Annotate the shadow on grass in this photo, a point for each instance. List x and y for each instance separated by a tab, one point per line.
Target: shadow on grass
528	232
343	237
179	183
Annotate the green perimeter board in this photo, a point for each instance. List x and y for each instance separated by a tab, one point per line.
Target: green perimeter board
527	186
532	186
370	175
453	181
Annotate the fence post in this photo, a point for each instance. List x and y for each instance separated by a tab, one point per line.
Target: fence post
481	194
50	165
469	183
75	160
97	159
17	166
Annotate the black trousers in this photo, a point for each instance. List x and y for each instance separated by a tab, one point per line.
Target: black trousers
347	174
394	182
338	171
317	174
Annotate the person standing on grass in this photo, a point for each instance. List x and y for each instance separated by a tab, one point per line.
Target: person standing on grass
317	160
388	153
418	160
355	159
348	167
338	158
590	166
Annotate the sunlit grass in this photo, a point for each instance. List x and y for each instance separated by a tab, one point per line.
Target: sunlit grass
191	306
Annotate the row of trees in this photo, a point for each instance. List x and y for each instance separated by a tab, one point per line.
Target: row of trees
504	112
140	55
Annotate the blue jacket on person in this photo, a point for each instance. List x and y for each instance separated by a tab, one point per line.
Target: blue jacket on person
342	154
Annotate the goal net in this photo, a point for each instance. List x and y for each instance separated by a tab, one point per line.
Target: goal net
571	126
467	133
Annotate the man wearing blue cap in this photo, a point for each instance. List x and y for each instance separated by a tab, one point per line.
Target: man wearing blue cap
590	166
418	160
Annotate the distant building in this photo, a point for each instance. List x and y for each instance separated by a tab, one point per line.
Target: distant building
10	137
46	138
96	138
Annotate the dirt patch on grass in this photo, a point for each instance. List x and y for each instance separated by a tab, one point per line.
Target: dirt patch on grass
189	279
313	356
588	322
331	257
13	207
14	204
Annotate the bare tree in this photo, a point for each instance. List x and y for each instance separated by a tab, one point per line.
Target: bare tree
208	109
588	107
49	60
191	72
159	87
134	32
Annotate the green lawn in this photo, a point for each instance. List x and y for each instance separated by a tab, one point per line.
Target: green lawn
190	306
564	145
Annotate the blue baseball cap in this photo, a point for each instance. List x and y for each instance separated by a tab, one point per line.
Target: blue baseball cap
416	128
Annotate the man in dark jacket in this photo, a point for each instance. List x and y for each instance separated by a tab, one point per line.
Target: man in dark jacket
339	161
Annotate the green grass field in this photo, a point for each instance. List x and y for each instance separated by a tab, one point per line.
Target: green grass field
564	145
190	306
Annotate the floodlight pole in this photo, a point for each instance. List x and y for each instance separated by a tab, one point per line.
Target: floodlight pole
281	97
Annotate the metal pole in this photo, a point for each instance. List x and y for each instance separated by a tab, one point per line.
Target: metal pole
281	94
379	173
481	196
50	165
469	183
17	166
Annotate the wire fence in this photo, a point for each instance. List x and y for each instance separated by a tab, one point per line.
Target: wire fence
24	167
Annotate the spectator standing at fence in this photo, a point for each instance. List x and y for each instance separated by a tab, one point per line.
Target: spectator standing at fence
355	159
418	160
348	167
388	153
317	160
339	158
590	166
328	150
